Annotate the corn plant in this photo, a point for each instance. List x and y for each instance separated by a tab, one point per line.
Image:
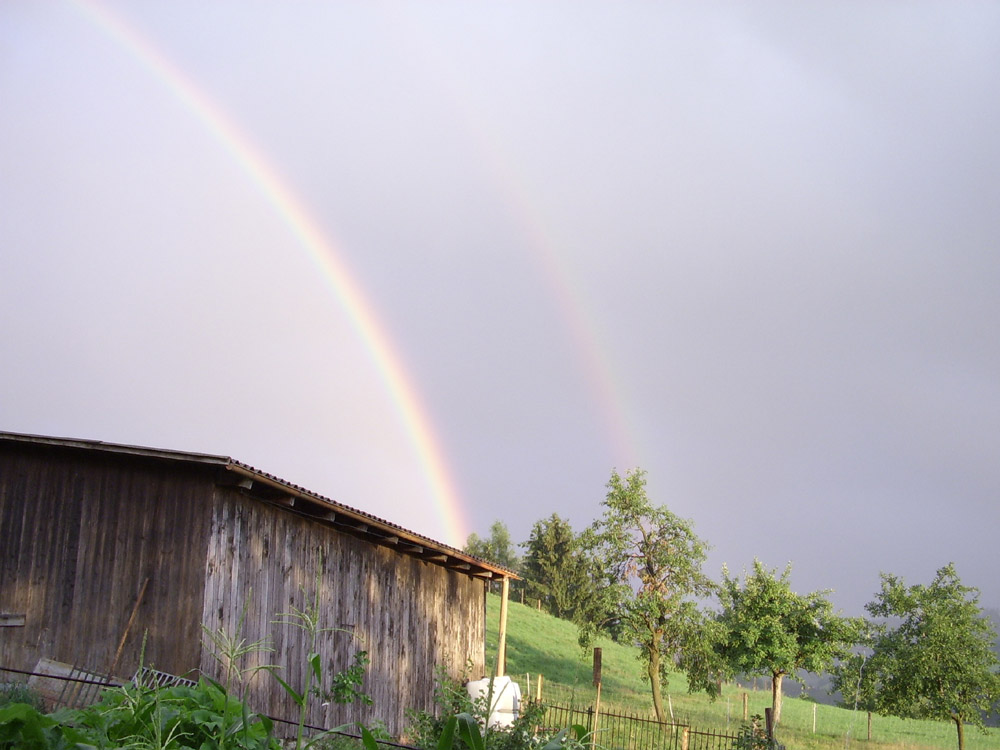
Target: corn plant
344	688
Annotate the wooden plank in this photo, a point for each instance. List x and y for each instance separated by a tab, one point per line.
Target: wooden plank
11	621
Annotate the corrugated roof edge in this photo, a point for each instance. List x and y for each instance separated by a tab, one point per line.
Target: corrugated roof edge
295	499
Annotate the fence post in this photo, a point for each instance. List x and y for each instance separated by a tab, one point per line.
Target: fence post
685	734
814	718
746	707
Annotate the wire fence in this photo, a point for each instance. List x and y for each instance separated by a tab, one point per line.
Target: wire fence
622	731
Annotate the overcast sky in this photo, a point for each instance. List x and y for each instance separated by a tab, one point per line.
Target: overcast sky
753	248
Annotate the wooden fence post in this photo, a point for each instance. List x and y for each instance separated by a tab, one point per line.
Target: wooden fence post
746	707
685	734
869	726
814	718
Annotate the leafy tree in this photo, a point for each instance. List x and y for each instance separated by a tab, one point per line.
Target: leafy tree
497	548
768	629
856	692
557	570
652	560
931	654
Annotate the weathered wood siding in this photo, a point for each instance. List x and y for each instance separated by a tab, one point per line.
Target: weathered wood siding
81	531
78	536
409	615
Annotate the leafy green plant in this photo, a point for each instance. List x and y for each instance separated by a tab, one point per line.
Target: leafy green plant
24	727
204	716
752	735
345	686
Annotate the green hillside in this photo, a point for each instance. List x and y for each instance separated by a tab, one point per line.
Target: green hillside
538	643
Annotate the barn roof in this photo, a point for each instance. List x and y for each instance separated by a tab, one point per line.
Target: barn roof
271	489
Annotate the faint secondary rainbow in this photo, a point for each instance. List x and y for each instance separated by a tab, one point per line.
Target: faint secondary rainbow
319	248
548	250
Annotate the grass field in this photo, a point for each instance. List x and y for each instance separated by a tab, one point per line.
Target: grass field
540	644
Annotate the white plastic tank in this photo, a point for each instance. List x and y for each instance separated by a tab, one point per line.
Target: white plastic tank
506	698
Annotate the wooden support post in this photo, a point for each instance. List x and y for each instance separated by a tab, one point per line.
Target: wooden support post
502	636
538	697
685	738
128	627
814	718
746	707
869	726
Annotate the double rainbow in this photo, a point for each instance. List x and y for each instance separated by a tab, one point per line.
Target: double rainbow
320	249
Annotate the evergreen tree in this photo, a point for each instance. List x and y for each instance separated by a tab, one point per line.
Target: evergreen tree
557	571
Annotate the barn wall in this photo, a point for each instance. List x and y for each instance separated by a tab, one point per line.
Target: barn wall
79	533
410	616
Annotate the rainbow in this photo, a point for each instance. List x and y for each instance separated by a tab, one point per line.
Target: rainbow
548	249
320	249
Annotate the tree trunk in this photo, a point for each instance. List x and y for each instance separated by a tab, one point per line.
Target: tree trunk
653	669
776	695
961	730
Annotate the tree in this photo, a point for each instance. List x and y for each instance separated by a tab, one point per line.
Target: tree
557	571
768	629
498	549
652	560
930	654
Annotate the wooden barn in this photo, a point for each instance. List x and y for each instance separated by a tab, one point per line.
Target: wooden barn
105	547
